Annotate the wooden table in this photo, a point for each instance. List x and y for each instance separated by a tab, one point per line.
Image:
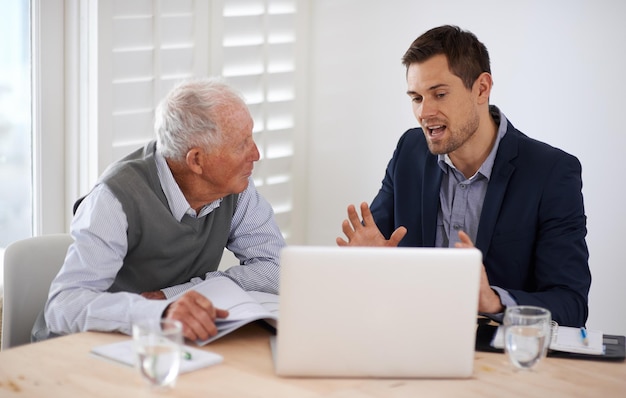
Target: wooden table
64	367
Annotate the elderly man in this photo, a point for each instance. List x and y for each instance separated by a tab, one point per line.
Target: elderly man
157	222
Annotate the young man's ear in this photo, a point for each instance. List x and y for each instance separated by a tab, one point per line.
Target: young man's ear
484	84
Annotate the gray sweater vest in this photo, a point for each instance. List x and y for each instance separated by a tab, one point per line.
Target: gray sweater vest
162	252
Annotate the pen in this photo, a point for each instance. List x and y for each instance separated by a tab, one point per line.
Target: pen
583	335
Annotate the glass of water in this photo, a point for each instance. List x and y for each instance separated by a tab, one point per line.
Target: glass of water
158	345
527	335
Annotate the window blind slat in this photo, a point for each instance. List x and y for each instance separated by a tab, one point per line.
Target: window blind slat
132	95
132	64
132	32
176	29
132	126
135	7
281	87
281	28
244	30
240	8
177	61
176	6
279	195
278	144
250	86
281	7
243	61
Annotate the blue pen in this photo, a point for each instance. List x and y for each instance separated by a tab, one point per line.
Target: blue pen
583	335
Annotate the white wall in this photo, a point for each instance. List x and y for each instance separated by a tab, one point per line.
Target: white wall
558	68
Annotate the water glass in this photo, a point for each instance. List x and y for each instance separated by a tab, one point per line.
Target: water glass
158	348
527	335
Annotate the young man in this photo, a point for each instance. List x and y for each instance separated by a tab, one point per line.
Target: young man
157	222
469	176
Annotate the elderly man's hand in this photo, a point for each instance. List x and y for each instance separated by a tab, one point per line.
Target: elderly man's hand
197	314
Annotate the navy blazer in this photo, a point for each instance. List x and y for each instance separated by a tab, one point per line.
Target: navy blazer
532	227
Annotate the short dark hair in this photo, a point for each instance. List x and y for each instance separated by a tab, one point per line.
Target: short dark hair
467	56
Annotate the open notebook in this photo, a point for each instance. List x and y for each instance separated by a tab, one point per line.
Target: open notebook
566	342
566	339
377	312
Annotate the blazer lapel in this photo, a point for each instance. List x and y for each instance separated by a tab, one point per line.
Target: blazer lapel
500	177
430	200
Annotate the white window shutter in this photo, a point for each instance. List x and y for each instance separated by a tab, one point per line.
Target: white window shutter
139	49
154	44
256	55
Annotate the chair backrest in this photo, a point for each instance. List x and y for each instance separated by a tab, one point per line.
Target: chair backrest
29	267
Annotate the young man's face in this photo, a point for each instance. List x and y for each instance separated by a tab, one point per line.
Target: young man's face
444	107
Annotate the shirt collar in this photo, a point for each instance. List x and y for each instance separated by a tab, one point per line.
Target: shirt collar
485	169
176	200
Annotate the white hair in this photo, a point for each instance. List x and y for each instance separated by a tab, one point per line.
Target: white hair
188	116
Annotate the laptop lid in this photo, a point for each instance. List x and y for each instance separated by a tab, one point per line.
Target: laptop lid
377	312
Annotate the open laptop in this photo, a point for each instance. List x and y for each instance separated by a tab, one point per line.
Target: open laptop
377	312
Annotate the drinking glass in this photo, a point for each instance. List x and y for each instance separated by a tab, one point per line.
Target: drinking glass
158	345
527	334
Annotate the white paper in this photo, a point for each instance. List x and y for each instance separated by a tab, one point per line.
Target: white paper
124	352
243	307
566	339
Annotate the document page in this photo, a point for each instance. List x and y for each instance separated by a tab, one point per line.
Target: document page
243	307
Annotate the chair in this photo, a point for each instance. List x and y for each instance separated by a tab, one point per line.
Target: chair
29	267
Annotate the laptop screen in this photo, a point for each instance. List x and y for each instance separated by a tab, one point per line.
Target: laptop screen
377	312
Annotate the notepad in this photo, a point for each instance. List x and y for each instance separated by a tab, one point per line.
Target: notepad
565	339
123	352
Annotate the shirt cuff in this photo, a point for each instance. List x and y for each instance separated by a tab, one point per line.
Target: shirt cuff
505	297
147	309
174	291
507	301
